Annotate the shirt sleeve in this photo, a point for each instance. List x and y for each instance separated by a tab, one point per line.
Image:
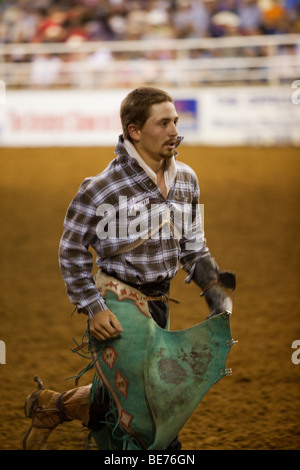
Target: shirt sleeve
75	257
193	243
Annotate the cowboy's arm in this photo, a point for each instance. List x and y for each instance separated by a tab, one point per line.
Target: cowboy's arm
206	274
202	268
76	264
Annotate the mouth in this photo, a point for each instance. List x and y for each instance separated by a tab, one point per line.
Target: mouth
171	144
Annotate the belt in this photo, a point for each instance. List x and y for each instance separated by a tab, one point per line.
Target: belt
157	291
153	289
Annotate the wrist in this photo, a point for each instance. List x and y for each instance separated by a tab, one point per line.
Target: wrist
96	307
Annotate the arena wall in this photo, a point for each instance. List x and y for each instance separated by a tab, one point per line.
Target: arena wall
224	116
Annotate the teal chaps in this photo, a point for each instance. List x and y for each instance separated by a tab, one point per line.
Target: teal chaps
155	377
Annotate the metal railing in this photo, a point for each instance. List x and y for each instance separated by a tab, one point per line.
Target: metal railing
247	60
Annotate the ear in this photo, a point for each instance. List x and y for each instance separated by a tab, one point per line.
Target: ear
134	132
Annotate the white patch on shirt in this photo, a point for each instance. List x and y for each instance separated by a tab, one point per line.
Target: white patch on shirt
136	203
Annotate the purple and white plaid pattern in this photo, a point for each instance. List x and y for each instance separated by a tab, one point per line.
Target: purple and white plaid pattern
156	259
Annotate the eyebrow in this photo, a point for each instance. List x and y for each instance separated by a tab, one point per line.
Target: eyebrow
176	118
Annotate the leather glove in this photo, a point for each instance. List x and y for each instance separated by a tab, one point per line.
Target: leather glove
207	276
217	301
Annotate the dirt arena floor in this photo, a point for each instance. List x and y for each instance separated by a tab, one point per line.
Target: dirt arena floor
251	204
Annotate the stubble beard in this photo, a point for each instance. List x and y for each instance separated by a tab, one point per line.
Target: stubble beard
167	154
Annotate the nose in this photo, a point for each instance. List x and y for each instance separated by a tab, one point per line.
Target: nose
173	129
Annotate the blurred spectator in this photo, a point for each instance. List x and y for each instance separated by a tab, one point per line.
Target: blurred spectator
251	17
85	20
51	27
292	8
45	71
225	23
275	19
191	19
75	21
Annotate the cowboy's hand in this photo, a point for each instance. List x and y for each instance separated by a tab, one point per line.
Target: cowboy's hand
105	325
217	301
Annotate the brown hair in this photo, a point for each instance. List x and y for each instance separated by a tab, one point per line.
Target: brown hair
135	108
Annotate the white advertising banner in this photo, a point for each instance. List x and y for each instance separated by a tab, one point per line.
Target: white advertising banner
250	116
60	118
210	116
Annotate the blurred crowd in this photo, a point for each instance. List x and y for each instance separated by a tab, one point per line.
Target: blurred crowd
40	21
74	21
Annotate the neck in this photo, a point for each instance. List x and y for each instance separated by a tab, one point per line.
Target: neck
156	164
156	167
161	182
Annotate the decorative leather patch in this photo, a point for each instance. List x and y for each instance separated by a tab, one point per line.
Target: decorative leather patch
124	292
121	383
109	356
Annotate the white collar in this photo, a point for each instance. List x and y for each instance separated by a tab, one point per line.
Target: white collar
170	170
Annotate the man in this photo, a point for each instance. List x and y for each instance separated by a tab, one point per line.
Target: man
140	251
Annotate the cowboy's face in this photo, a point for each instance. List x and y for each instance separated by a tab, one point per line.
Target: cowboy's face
157	139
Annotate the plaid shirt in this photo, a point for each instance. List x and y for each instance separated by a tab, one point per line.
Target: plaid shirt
123	200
